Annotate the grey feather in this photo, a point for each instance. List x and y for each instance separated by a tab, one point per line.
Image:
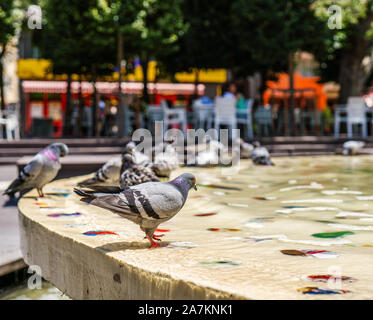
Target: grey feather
42	169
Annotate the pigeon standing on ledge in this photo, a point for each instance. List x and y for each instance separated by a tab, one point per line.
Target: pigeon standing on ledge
352	147
260	155
42	169
147	204
133	174
109	172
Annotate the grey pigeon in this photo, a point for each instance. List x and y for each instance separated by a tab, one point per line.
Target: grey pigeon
108	173
42	169
245	149
260	155
139	156
165	161
147	204
133	174
352	147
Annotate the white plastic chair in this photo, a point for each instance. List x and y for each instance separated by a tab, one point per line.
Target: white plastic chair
174	116
11	125
225	113
203	114
355	114
245	117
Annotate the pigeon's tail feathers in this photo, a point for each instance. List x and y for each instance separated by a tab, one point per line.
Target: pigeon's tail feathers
104	189
13	187
87	195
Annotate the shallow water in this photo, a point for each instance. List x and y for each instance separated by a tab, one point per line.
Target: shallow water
258	233
22	292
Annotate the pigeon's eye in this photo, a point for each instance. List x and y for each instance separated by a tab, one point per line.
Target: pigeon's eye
193	180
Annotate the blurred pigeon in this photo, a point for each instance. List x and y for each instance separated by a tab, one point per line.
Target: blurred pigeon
352	147
147	204
133	174
109	172
139	156
245	149
42	169
165	162
210	156
260	155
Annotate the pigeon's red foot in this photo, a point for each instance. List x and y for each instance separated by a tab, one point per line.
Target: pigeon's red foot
157	236
152	243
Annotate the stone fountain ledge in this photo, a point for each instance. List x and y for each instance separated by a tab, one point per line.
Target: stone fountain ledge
103	266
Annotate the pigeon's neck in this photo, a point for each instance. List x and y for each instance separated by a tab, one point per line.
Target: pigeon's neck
50	155
182	187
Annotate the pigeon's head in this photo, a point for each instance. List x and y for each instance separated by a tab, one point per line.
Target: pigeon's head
130	147
189	179
59	149
256	144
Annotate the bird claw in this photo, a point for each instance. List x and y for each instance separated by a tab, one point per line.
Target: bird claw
155	245
157	236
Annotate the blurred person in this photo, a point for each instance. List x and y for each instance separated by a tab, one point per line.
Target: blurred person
87	121
101	116
230	90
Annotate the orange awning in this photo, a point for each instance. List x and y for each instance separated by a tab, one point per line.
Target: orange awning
306	87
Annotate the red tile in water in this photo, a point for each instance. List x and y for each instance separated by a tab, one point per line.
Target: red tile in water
204	214
213	229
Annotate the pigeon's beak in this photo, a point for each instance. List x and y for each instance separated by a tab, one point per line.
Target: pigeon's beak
195	187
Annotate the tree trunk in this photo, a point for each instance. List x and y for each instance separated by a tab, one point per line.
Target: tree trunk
67	122
144	64
121	111
2	95
352	74
291	90
95	132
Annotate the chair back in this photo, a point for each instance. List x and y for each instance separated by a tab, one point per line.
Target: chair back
225	109
356	109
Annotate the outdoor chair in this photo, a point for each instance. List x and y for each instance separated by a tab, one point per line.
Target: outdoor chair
225	113
203	114
173	116
11	125
154	113
355	114
244	116
263	119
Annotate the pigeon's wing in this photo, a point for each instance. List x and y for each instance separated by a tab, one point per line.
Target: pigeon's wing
157	200
26	175
110	171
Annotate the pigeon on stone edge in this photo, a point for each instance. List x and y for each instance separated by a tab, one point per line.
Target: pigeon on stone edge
42	169
352	147
148	204
260	155
133	174
108	173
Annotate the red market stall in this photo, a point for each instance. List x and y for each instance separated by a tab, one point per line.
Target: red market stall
47	99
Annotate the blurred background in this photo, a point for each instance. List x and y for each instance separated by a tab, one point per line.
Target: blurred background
63	62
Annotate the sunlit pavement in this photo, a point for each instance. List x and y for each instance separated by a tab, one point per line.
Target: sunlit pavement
9	231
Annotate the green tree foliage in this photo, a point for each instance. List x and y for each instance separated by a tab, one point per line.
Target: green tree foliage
8	27
349	48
